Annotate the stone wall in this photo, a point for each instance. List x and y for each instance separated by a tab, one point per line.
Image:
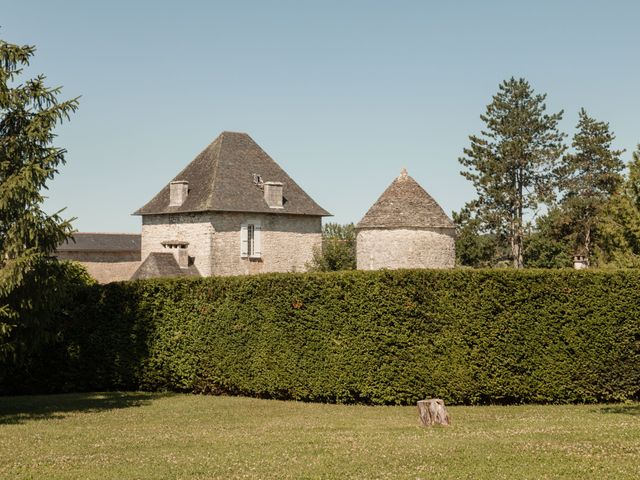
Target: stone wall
379	248
195	228
214	240
105	272
104	266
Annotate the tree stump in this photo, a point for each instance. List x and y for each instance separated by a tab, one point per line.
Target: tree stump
433	411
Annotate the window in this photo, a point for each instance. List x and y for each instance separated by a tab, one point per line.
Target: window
251	240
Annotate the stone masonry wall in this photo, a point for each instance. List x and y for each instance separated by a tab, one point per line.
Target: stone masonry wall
214	240
105	267
287	243
195	228
105	272
405	248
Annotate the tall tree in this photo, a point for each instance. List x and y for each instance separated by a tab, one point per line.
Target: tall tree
588	177
29	113
619	224
511	163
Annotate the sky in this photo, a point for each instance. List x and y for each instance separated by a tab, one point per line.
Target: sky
342	94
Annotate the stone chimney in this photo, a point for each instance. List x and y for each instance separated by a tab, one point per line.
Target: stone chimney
273	194
178	192
179	251
580	262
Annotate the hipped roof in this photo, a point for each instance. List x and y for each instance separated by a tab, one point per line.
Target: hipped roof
161	264
222	178
405	204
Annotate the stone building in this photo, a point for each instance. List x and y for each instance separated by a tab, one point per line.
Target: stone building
108	257
405	228
231	211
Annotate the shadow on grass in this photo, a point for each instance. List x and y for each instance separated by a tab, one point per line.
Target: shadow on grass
633	409
14	410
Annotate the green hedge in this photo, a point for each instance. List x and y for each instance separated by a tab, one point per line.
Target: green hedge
389	337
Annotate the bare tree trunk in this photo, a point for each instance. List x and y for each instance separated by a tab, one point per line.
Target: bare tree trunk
432	412
517	245
587	241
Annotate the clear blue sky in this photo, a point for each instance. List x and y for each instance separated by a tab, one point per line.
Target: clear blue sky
342	94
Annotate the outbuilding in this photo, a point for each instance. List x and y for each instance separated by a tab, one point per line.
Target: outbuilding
405	228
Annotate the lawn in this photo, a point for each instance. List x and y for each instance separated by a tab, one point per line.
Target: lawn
171	436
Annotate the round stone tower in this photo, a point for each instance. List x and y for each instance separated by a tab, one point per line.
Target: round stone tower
405	228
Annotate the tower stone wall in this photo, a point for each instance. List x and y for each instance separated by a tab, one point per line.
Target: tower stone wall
379	248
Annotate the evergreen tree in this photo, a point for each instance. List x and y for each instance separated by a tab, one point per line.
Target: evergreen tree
512	163
619	224
338	250
588	177
29	112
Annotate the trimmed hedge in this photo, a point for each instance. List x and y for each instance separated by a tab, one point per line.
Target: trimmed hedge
389	337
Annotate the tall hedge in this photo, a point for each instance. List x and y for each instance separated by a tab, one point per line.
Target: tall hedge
389	337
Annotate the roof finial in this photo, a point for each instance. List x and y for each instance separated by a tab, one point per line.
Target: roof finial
403	173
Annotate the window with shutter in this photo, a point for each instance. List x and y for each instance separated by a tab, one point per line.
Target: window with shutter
251	240
244	240
256	250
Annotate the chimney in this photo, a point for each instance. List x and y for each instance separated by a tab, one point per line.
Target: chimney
179	250
182	257
273	194
178	192
580	262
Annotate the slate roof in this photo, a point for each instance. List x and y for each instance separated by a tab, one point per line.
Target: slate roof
161	264
405	204
221	178
101	242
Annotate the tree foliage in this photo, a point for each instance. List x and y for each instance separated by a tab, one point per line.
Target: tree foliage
338	251
588	177
512	162
546	245
29	113
474	248
619	225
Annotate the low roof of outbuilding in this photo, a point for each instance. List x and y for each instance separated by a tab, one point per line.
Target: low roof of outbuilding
163	264
101	242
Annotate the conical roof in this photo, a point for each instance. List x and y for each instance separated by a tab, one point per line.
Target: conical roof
405	204
227	176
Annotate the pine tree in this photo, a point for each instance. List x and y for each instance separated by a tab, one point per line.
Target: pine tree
619	224
29	112
588	178
512	162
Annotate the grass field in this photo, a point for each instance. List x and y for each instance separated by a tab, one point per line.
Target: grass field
155	436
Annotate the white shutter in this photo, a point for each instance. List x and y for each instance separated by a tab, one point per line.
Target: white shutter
244	240
257	241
